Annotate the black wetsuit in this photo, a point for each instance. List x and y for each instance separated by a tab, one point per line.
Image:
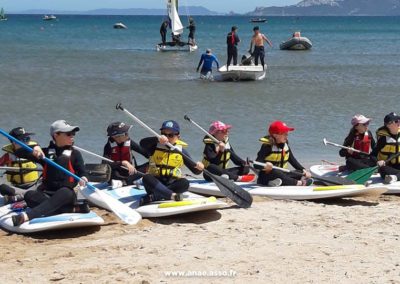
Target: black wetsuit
287	178
192	30
120	173
259	52
232	41
162	187
56	194
163	32
357	161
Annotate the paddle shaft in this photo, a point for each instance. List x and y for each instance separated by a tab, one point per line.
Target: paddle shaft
327	180
102	158
17	169
326	142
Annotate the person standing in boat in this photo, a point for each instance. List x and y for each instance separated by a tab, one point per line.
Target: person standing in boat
232	41
258	41
207	60
56	195
119	148
163	32
192	30
165	180
359	138
387	145
216	157
275	151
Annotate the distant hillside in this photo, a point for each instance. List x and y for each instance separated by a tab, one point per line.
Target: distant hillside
183	10
333	8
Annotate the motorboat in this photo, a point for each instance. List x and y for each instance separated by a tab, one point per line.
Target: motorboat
49	18
258	20
296	42
241	73
119	26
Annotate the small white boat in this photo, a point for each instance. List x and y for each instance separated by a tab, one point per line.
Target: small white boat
119	26
241	73
49	18
172	46
297	42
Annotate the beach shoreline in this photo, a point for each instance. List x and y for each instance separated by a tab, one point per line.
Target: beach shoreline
345	240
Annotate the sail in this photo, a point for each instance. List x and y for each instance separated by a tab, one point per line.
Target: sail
175	22
2	16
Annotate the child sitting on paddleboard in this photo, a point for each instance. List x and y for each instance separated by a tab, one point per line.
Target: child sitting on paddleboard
56	195
275	151
387	145
359	138
119	148
164	179
216	157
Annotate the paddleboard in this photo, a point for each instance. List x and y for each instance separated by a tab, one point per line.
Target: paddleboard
131	195
291	192
374	181
56	222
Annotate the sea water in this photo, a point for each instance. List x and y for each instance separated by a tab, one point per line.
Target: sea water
78	68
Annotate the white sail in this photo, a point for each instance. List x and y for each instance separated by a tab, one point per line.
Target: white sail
176	25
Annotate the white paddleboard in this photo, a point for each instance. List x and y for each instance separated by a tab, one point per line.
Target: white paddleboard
131	195
290	192
374	181
56	222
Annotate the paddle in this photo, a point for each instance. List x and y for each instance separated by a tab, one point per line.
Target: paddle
326	180
231	190
362	176
326	142
17	169
127	214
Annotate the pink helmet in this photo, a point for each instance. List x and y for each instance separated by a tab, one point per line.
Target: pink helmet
218	126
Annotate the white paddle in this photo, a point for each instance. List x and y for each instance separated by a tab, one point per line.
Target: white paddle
326	142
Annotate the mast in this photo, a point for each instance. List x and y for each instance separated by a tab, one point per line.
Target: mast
175	22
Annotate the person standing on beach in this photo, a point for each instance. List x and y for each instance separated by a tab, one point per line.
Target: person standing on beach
207	60
258	41
164	180
387	145
359	138
119	148
163	31
232	41
216	157
275	151
56	195
192	30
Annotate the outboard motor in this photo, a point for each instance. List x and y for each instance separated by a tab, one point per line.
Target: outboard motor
247	59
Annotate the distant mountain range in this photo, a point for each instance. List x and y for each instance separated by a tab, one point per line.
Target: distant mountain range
333	8
183	10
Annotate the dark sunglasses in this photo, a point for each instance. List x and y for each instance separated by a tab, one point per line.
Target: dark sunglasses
365	124
25	139
69	134
394	121
120	135
169	135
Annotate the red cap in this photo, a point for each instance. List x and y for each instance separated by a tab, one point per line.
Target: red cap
279	127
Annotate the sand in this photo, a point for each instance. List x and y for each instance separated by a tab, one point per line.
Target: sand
341	241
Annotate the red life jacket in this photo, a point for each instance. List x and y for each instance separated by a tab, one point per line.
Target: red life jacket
121	153
362	143
69	167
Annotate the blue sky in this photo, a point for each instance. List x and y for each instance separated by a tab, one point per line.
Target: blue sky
239	6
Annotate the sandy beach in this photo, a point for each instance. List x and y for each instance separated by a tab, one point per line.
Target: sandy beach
346	241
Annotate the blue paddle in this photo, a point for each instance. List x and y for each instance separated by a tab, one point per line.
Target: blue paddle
127	214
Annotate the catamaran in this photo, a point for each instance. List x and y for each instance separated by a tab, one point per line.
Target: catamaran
177	30
2	15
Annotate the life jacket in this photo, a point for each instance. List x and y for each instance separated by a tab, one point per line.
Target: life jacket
279	156
167	163
54	177
225	157
362	144
22	178
121	153
392	146
230	40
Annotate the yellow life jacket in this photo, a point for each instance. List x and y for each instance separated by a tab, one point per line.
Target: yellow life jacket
279	157
21	178
391	147
225	157
167	163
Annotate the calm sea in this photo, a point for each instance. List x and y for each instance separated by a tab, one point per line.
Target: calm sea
79	67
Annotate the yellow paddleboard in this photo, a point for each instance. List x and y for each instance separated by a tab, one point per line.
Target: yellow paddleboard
337	187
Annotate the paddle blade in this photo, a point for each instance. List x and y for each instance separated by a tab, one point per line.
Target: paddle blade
362	176
231	190
124	212
334	180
